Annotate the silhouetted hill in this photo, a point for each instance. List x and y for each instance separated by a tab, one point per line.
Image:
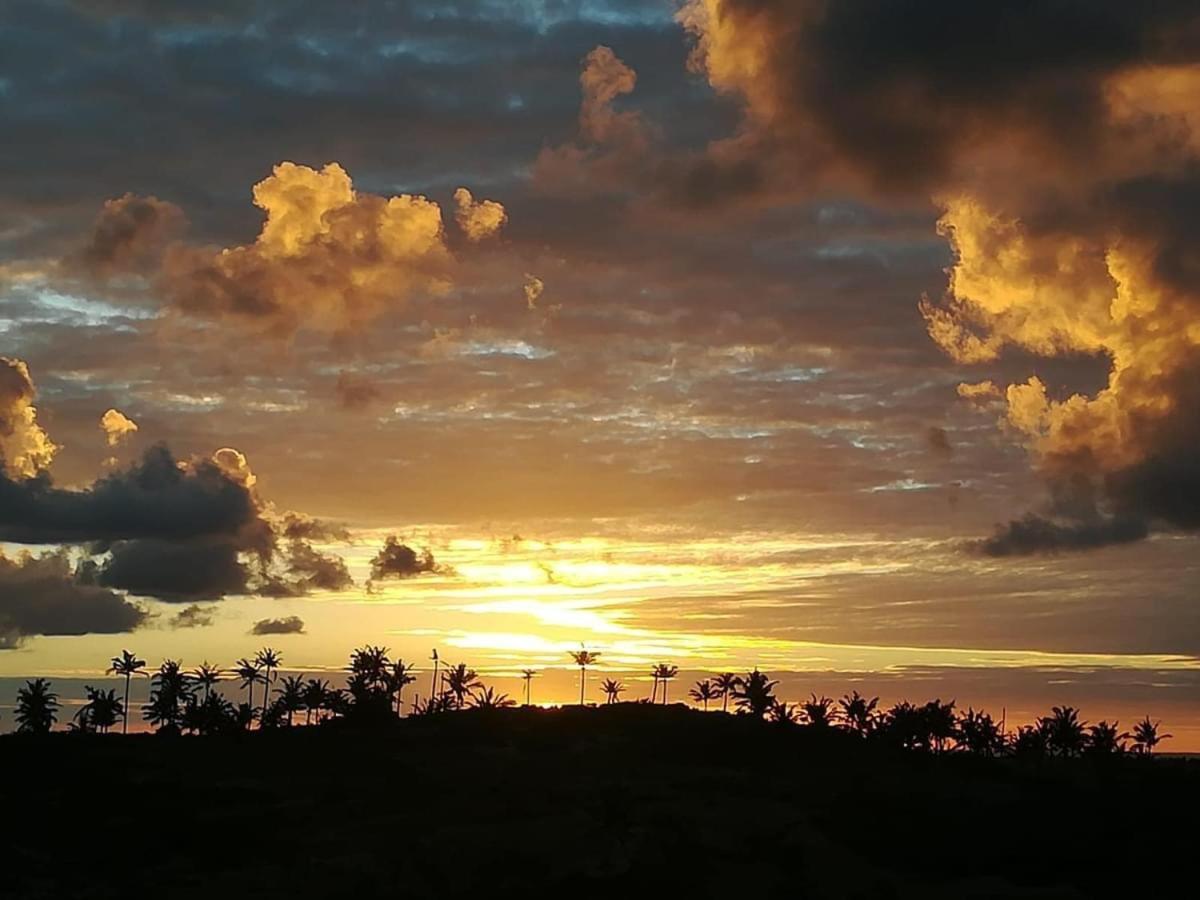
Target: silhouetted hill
624	801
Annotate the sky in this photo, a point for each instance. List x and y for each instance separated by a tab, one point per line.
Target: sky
859	342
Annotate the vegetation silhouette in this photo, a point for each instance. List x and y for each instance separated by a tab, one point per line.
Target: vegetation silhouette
126	665
612	690
583	658
37	707
663	673
725	683
527	675
703	692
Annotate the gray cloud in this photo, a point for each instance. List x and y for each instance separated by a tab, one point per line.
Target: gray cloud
287	625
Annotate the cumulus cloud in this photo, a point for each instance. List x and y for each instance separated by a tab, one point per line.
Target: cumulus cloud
41	595
286	625
176	571
130	235
1034	534
116	426
604	78
328	258
25	448
398	560
1051	256
478	219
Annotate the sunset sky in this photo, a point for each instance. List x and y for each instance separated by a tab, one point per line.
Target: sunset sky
856	341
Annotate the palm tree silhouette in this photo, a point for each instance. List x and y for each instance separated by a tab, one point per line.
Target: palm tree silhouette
168	697
654	688
400	675
528	675
754	694
250	671
1104	738
269	660
666	672
1064	731
433	684
291	695
1146	736
978	733
315	691
858	713
725	683
487	698
102	709
818	711
703	692
37	707
612	690
583	658
782	714
126	665
461	681
207	677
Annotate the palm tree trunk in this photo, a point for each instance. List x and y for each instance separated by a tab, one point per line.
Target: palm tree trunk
725	702
654	691
125	722
706	704
664	692
582	682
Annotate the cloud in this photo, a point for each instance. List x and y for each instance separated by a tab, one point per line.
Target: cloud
1034	534
397	560
1051	256
478	219
41	595
156	498
194	616
605	78
287	625
176	572
297	526
328	258
116	426
130	235
311	570
25	448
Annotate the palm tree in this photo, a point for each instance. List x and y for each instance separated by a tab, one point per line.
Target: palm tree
978	733
1146	736
782	714
612	690
315	692
102	709
168	697
37	707
1104	739
433	684
126	665
461	681
291	695
754	694
400	675
858	713
666	672
207	677
487	698
654	689
725	683
528	675
817	711
583	658
250	671
269	660
1064	731
703	692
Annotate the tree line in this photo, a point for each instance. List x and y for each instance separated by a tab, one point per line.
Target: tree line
187	702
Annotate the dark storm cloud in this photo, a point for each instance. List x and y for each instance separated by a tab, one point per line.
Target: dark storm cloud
397	560
42	596
907	92
129	234
175	572
152	499
286	625
1035	534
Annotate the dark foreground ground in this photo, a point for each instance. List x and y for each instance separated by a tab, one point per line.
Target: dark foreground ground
631	801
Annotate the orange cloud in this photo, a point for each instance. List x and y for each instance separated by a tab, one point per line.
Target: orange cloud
25	447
